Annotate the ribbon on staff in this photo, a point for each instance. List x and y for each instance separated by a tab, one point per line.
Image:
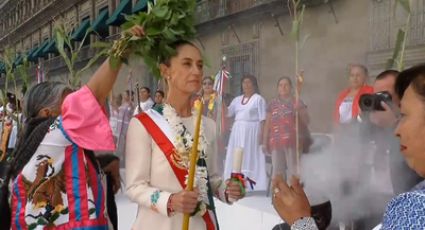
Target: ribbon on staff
40	74
220	82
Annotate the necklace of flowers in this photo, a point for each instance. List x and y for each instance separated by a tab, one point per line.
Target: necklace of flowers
183	144
211	103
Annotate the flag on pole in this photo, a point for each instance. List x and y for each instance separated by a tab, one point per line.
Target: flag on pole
40	73
130	85
220	83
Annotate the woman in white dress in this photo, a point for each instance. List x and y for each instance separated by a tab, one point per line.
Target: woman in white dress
157	154
249	110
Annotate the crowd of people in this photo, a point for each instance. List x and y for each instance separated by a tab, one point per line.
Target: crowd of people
64	163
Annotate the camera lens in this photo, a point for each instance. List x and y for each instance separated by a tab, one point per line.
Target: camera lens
367	102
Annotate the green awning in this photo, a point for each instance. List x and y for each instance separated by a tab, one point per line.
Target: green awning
39	52
19	60
117	18
141	5
50	47
80	32
30	54
99	23
2	67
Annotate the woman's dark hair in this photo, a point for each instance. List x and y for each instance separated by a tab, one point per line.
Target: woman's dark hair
44	95
414	76
285	78
129	93
161	92
175	46
253	81
147	89
208	78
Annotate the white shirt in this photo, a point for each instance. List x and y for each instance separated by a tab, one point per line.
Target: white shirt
144	106
345	111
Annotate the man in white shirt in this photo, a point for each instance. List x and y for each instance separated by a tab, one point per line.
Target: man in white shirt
146	101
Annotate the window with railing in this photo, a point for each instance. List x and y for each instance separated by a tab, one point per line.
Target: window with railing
211	9
241	59
385	22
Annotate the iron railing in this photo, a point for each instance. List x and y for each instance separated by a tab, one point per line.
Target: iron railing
207	10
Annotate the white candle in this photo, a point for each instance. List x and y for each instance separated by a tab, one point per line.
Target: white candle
237	159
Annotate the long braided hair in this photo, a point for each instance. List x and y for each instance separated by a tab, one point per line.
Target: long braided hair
41	96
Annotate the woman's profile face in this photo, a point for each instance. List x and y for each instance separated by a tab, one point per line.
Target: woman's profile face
411	130
57	110
186	70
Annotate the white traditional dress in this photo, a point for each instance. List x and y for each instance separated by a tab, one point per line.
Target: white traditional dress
245	134
153	174
60	188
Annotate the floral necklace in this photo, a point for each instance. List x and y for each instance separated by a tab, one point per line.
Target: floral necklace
183	142
210	107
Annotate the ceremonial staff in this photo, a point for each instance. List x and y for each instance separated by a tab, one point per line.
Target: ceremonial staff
193	161
139	110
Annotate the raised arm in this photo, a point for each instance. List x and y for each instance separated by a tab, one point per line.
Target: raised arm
103	80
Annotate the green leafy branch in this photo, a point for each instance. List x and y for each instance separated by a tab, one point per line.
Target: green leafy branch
296	9
70	53
165	22
397	59
13	73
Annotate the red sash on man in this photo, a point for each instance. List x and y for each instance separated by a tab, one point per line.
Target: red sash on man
168	148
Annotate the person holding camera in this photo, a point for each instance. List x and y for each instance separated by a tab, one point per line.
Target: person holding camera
405	211
382	119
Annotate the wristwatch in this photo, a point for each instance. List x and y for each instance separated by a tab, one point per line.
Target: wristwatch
304	223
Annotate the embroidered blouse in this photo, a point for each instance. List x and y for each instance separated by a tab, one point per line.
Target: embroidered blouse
282	130
59	187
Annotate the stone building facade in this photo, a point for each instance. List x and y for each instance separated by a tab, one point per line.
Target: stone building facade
252	34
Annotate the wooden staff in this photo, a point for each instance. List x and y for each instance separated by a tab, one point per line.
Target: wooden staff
193	161
139	110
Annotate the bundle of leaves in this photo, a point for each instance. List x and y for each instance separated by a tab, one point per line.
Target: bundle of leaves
165	23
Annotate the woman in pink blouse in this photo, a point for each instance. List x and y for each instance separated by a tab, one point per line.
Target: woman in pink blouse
57	182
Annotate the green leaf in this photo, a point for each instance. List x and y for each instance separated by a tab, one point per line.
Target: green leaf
100	44
405	4
54	217
42	221
65	211
295	30
92	210
160	12
397	49
127	25
32	226
152	31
